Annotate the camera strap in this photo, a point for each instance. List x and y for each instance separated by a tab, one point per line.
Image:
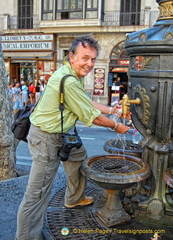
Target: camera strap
61	100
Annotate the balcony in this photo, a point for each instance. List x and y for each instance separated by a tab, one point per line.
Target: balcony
9	23
116	18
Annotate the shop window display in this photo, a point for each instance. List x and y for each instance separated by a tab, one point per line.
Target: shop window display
46	69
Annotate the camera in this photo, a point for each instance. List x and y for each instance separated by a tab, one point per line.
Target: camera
69	141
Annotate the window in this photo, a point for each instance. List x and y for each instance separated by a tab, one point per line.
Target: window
91	8
69	9
25	14
118	53
47	9
130	12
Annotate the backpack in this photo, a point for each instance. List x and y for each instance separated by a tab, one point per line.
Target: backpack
21	124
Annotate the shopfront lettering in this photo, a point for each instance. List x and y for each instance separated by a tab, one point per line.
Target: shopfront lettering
27	46
20	38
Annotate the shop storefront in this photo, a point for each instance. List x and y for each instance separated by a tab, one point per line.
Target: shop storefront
117	76
29	57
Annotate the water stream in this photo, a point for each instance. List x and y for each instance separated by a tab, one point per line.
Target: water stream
122	143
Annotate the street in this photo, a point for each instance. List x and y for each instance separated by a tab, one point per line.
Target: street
93	138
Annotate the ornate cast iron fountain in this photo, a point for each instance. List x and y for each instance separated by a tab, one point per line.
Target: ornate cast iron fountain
151	81
150	100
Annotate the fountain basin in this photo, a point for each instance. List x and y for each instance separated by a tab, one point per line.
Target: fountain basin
115	171
114	146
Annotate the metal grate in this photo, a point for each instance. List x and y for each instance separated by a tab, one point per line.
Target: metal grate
80	221
126	145
115	166
84	218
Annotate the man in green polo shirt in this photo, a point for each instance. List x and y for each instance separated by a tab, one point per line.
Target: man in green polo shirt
44	139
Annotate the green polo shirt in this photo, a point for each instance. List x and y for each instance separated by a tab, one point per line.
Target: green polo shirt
77	104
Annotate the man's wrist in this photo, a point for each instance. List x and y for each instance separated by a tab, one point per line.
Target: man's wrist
110	111
116	125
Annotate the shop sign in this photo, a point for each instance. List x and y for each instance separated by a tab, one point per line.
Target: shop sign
99	78
118	69
27	42
110	79
22	38
123	62
27	46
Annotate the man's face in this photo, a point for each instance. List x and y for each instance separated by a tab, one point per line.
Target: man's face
83	60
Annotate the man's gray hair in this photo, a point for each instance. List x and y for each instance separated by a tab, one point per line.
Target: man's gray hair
83	39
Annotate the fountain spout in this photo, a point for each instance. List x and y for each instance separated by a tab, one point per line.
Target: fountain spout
126	104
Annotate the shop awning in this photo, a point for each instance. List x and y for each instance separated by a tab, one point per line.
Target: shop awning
27	54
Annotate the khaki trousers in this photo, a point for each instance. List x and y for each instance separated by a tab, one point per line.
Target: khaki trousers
43	148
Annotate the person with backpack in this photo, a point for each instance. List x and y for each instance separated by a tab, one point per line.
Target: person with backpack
45	140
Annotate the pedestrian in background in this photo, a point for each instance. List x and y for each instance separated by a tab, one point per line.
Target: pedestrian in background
10	89
37	93
24	91
41	88
32	93
17	97
45	138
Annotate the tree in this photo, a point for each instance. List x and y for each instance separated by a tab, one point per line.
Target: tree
7	141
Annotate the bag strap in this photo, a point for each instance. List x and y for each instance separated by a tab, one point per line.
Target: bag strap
61	99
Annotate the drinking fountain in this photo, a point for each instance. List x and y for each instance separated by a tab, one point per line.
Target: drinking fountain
114	173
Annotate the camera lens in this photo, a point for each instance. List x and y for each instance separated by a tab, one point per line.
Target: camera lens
64	154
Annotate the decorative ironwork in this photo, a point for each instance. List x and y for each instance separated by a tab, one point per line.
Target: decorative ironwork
145	104
166	10
141	63
168	35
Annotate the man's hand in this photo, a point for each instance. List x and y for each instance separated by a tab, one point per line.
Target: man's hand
117	109
121	128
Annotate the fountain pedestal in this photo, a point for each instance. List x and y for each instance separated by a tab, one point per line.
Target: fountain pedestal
113	212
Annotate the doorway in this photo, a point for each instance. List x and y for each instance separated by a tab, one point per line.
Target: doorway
23	71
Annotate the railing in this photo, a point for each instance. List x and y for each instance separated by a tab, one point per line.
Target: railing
12	22
116	18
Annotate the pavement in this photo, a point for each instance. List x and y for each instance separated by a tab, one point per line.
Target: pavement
11	194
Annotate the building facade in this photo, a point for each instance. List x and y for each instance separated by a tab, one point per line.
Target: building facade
36	35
